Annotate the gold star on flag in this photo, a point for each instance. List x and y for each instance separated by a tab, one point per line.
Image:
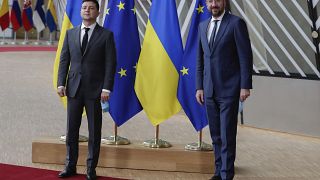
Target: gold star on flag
122	72
184	71
134	10
107	11
121	6
200	9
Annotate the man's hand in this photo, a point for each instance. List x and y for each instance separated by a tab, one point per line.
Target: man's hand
104	96
199	96
244	94
61	91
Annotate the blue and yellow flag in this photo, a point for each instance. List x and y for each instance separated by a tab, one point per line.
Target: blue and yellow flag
187	87
71	19
52	16
157	76
121	20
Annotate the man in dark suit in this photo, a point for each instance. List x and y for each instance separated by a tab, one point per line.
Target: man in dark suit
86	76
224	74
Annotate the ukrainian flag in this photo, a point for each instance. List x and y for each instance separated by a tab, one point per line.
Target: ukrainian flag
157	77
71	19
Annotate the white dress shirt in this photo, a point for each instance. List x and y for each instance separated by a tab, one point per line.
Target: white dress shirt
83	31
211	26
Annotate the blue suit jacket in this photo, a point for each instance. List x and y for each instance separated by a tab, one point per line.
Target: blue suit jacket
227	67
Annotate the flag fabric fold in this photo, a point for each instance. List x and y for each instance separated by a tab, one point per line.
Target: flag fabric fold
157	76
27	15
39	19
4	15
187	87
51	16
15	16
121	20
71	18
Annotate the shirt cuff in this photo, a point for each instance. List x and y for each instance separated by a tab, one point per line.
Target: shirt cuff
106	90
60	87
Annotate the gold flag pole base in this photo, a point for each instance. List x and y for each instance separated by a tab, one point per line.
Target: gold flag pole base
25	42
199	146
37	43
115	140
81	138
156	142
151	143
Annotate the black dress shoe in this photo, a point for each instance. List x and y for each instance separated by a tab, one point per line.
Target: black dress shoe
67	173
91	176
215	178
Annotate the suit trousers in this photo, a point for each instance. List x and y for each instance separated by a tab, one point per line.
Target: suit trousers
94	116
222	115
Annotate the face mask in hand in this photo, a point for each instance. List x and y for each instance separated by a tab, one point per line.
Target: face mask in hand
105	106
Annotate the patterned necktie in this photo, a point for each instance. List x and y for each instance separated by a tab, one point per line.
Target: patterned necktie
213	34
84	40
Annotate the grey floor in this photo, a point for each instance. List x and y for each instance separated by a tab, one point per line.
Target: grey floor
30	108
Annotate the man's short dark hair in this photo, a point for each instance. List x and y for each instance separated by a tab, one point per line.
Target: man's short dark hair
94	1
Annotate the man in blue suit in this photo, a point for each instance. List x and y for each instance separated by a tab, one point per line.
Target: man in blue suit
224	75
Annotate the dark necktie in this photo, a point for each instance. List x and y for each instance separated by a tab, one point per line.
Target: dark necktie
84	40
213	34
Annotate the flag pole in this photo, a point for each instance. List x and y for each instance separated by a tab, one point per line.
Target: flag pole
50	42
14	38
25	38
156	142
199	146
115	139
38	39
3	42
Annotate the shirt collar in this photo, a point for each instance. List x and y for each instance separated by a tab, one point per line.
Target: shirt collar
218	18
92	26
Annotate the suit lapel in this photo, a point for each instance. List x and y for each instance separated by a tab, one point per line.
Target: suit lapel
93	38
77	37
222	28
205	32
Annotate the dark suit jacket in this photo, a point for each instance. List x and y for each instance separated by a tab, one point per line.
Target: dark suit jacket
95	69
226	68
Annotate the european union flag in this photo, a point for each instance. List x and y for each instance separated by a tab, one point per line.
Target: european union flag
121	20
187	86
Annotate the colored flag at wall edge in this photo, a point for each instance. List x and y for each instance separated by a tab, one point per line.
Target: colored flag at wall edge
60	10
157	76
187	87
15	16
52	16
4	15
39	19
71	19
121	20
27	15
